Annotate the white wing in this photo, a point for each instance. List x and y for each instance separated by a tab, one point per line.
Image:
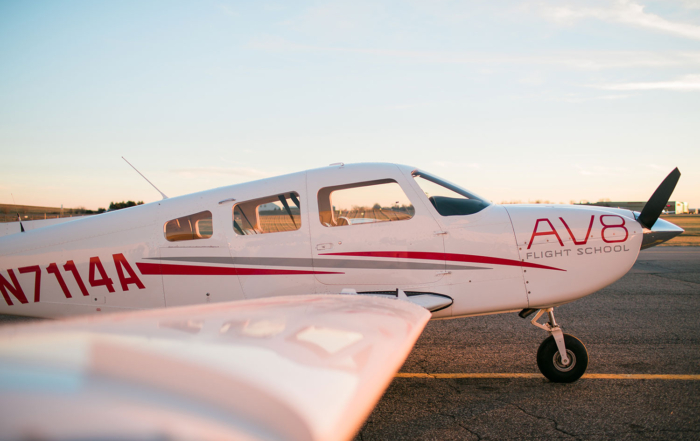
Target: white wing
295	368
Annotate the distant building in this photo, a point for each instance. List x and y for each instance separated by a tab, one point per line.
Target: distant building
672	207
678	207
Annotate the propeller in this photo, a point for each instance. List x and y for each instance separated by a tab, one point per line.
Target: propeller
657	202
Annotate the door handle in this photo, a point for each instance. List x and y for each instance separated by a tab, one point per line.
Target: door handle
324	246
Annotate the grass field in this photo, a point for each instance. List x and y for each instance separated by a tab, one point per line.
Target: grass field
691	224
8	212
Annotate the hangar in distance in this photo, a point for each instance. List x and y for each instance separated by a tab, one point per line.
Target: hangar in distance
369	229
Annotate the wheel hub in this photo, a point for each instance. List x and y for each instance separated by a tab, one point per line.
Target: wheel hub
561	366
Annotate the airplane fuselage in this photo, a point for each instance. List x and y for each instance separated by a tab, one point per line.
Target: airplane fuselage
370	228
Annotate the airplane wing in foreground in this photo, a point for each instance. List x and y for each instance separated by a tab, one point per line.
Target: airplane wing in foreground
285	368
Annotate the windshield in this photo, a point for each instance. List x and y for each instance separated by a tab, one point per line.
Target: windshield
447	198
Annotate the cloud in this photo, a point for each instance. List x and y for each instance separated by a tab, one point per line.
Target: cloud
584	60
621	11
208	171
663	168
411	106
228	11
685	83
274	7
691	4
574	98
533	79
404	106
599	170
341	19
445	164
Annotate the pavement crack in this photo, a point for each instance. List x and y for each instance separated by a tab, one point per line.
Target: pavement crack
454	418
539	417
421	363
453	386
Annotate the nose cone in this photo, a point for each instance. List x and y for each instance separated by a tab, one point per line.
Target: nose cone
569	251
660	232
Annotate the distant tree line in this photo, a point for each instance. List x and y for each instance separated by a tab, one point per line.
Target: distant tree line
119	205
112	207
81	210
9	212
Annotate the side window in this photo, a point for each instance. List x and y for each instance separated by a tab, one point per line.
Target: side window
192	227
271	214
363	203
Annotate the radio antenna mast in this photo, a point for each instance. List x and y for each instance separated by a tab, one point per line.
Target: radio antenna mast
161	193
19	218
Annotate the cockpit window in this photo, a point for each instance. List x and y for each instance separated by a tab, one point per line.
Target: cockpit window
192	227
448	198
363	203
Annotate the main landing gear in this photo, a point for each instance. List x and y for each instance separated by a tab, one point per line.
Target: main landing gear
556	367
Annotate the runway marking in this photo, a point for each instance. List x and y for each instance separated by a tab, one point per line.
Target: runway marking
523	375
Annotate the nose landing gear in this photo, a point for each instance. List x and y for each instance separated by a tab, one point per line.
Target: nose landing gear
562	358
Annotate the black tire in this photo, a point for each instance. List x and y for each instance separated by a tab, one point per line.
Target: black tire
549	360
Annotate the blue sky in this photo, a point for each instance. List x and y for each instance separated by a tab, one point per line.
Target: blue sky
549	100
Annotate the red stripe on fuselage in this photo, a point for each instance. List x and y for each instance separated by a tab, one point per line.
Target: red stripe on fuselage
194	270
450	257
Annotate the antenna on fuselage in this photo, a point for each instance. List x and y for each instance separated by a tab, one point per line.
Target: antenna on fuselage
19	218
161	193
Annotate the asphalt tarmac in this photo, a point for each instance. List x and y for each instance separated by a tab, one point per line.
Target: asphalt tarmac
647	323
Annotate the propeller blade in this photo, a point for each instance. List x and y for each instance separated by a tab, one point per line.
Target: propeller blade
657	202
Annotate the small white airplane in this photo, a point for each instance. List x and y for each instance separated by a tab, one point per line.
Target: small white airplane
367	229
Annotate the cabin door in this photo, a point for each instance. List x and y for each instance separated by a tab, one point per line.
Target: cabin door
269	238
370	232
